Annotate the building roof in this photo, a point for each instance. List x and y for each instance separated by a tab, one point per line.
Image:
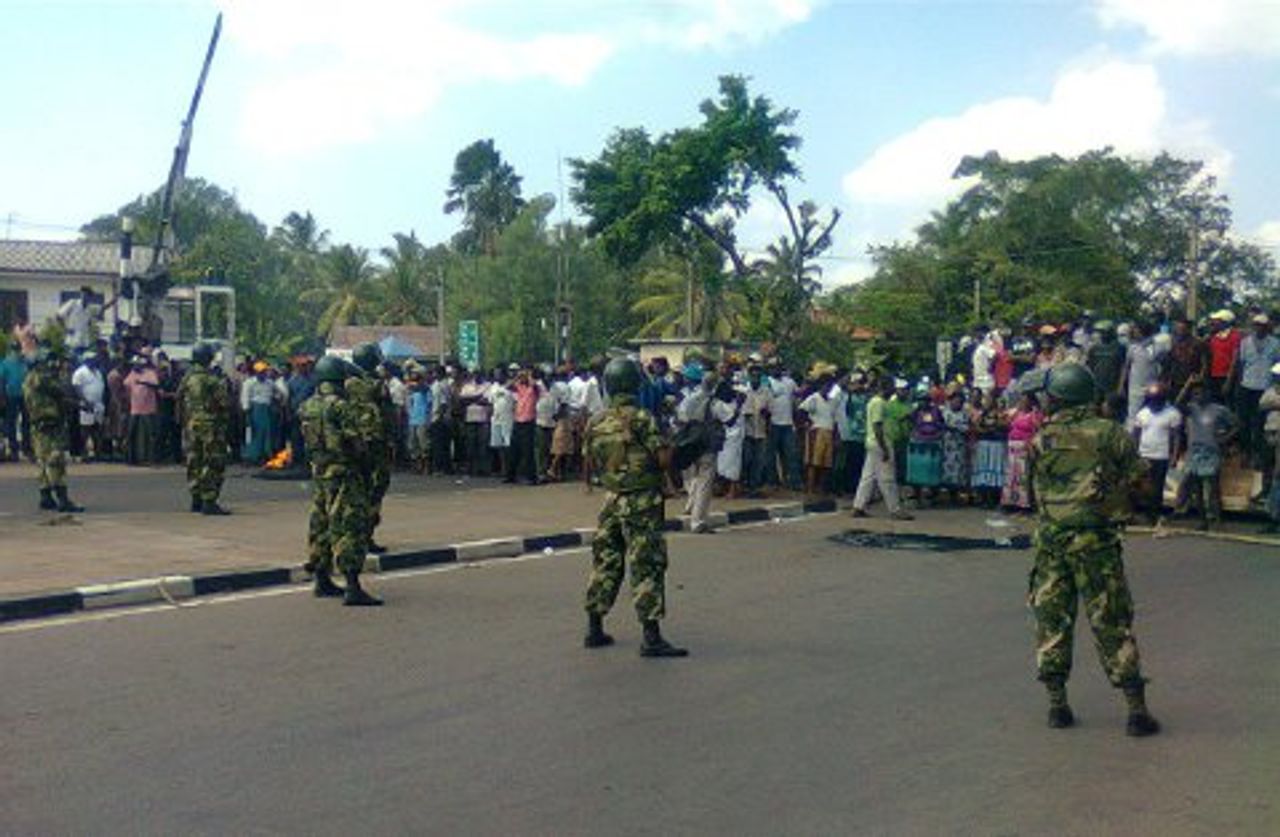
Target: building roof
69	258
425	338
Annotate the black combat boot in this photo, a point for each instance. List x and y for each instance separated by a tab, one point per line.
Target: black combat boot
655	646
1141	722
324	587
596	637
1060	714
64	502
196	505
211	507
376	548
46	500
355	595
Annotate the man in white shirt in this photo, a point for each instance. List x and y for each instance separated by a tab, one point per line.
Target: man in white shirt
502	422
820	451
699	404
476	419
91	388
77	314
782	431
1156	431
984	358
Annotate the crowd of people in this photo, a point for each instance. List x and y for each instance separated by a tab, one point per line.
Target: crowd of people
957	438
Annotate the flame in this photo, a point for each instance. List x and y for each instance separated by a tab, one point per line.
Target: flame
280	461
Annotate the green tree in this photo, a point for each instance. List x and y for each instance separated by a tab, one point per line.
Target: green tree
406	286
345	289
486	190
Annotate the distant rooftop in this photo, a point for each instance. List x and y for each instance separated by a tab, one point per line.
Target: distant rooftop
69	258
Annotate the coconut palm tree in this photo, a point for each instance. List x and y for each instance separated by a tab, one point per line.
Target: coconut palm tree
486	190
405	284
344	289
675	302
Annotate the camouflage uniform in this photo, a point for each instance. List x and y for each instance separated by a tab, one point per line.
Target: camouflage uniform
376	416
205	406
338	527
50	402
623	445
1084	470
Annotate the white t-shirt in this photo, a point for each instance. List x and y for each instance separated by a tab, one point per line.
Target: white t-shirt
548	404
577	389
77	316
503	402
91	387
984	357
1155	430
477	411
782	396
821	411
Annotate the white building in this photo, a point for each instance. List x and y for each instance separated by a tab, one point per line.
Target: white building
36	277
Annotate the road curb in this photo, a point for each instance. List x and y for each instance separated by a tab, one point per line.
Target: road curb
174	588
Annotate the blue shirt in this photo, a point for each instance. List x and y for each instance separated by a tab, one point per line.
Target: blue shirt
1256	359
13	370
419	407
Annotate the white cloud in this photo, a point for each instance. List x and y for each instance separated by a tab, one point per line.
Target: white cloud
1268	232
1199	27
1114	103
341	72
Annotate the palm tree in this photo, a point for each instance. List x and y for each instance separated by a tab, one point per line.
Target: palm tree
675	303
344	287
404	284
487	192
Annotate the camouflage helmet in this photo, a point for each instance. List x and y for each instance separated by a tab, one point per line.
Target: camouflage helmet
202	354
367	356
331	369
1072	385
622	376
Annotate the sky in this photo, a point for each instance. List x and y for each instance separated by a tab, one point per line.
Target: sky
354	110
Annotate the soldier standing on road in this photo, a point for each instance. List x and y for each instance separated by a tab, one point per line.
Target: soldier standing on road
368	392
204	406
1084	470
338	530
625	448
50	402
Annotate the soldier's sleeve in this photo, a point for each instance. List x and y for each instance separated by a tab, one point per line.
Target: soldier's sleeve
649	435
1123	452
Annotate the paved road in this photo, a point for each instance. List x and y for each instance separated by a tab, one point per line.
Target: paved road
831	691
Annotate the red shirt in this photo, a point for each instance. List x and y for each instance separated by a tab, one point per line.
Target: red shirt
526	402
1003	369
1223	346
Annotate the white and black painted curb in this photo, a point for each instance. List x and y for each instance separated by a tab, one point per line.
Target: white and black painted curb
174	588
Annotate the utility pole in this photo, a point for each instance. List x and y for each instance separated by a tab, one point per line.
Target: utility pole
977	298
1193	274
444	334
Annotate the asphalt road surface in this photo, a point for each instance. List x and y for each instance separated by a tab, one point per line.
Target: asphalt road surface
831	691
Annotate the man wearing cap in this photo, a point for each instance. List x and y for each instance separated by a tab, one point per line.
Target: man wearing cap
1224	347
1259	351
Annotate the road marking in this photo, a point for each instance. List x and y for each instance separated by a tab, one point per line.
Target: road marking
87	617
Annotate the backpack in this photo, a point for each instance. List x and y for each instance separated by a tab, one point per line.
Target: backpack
697	437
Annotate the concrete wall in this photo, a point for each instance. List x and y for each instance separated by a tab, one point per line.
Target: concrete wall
43	291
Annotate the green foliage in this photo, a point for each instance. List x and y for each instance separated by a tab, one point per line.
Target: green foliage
486	190
1051	237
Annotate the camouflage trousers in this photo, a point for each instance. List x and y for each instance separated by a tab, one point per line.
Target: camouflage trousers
379	482
338	529
629	534
206	461
1073	564
49	447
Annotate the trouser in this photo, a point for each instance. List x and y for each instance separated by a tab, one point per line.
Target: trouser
14	417
753	461
783	456
206	461
1157	472
1206	493
1252	442
259	448
141	442
420	444
542	449
520	458
337	531
629	535
1073	564
442	446
49	448
477	448
877	471
848	470
698	480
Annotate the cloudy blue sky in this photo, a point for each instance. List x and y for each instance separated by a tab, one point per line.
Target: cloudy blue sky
354	110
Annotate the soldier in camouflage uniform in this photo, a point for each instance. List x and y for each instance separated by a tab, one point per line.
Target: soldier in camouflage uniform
338	529
624	447
1084	472
377	417
51	402
205	406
